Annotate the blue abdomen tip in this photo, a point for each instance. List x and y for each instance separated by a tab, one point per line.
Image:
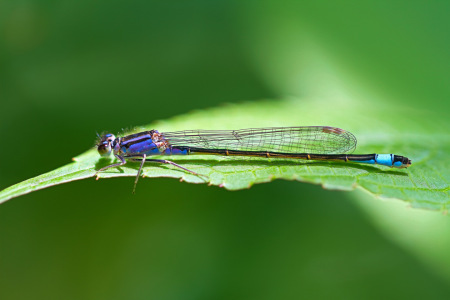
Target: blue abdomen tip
384	159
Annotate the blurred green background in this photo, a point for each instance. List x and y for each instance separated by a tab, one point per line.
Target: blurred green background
71	68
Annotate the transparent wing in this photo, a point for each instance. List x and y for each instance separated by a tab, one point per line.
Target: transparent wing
306	139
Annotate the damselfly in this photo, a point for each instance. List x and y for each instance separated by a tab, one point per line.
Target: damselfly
308	142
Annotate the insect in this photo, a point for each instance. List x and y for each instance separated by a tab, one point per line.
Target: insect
304	142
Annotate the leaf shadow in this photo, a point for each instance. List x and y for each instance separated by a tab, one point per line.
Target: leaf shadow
103	162
286	162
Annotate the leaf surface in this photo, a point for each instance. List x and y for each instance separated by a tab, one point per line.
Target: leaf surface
379	130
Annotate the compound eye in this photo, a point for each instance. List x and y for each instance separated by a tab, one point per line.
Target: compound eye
104	148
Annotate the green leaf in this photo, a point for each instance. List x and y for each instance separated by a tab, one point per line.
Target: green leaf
380	129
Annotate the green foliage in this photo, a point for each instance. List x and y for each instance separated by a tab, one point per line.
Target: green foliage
380	130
